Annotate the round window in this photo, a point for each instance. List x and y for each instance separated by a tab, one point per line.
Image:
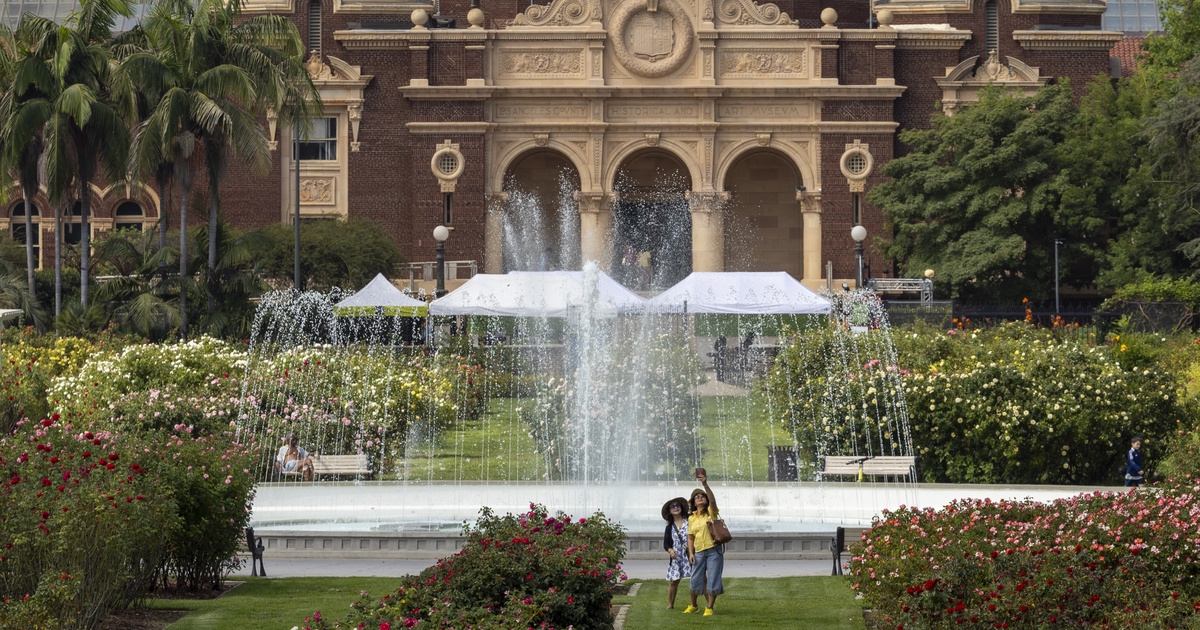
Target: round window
447	163
856	164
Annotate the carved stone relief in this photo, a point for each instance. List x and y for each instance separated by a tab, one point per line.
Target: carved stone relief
993	70
318	70
557	13
316	190
651	42
754	63
542	63
750	13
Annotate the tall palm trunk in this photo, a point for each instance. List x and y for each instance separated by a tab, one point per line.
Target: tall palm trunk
29	264
212	243
85	237
58	243
183	172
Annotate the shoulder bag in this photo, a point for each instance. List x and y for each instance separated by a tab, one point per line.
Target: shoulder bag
720	534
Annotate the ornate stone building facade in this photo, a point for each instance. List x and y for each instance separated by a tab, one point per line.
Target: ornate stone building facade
758	127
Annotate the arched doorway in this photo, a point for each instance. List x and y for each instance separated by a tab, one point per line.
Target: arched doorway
764	228
541	214
652	224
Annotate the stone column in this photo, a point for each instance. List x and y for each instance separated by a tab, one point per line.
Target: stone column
595	228
810	206
493	233
708	230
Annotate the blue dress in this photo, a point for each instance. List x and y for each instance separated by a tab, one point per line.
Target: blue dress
1133	468
679	567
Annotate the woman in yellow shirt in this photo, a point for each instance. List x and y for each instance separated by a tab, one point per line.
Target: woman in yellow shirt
708	560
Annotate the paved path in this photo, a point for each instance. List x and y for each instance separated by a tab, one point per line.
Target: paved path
635	569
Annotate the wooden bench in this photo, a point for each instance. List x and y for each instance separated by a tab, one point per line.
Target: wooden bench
852	465
336	465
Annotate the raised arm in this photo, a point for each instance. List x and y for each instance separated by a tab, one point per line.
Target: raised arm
712	500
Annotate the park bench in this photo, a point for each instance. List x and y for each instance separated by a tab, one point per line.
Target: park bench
337	465
852	465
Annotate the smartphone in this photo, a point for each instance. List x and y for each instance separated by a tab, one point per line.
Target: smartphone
701	471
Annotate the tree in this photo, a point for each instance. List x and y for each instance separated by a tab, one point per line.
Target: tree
19	159
1174	132
974	200
332	253
63	85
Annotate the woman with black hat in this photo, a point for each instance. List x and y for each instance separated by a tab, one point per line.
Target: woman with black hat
675	513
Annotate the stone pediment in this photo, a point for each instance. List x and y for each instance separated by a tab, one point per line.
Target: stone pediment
750	13
963	83
561	13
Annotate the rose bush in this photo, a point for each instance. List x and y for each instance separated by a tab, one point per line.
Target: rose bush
1111	560
525	571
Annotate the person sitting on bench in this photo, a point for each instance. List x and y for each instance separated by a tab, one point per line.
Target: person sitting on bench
293	459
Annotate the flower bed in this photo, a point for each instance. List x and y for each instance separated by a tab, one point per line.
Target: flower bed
1112	560
525	571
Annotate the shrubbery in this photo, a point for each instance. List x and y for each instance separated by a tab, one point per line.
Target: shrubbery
1115	560
527	571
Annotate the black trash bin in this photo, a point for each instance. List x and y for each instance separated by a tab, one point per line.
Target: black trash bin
782	464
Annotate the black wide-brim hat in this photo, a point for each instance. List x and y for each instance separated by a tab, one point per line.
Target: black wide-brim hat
666	511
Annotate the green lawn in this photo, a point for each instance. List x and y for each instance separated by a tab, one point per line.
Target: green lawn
794	603
278	603
734	433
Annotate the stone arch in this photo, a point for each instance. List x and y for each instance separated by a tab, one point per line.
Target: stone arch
540	219
495	181
764	225
787	150
676	150
652	219
116	194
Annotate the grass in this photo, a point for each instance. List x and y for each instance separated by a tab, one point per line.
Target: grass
274	603
794	603
734	430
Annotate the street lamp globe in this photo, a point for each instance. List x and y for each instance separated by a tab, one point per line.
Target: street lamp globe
929	274
858	233
440	233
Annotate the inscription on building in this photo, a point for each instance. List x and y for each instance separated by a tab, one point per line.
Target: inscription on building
537	111
652	111
763	111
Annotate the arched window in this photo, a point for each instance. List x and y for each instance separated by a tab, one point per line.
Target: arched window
991	36
16	226
129	216
314	26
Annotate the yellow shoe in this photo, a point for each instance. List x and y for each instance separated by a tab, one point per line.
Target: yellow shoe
707	612
690	609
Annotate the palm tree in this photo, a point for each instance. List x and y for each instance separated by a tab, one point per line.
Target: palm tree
63	82
19	159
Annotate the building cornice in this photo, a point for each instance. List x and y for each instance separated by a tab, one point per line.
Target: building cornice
823	92
907	7
931	39
1067	40
1072	7
392	39
479	128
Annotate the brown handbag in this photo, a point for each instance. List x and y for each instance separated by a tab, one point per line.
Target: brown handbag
720	534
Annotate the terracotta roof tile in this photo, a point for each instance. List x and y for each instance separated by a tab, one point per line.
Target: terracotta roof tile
1127	50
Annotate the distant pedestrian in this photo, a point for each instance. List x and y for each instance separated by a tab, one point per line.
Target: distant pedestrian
1135	475
718	356
675	539
644	271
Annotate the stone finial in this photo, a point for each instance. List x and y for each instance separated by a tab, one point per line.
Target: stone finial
885	19
829	17
419	17
475	17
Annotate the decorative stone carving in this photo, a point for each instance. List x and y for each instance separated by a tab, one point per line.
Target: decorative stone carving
651	41
993	70
652	139
316	190
856	164
542	62
810	202
541	139
764	139
317	69
750	13
707	202
354	113
557	13
272	121
750	63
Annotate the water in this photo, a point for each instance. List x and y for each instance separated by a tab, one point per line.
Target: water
583	413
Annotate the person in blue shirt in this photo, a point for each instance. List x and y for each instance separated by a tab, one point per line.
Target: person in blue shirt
1134	474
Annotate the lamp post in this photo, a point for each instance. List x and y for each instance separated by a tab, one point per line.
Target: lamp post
859	234
440	234
296	220
1057	243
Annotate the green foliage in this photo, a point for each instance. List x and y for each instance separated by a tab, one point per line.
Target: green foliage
333	253
974	198
1176	159
1153	289
1179	40
1105	560
522	571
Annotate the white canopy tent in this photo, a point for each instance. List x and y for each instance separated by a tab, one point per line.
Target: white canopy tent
534	294
742	293
380	293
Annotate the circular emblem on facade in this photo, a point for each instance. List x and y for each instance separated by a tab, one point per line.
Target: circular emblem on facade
651	38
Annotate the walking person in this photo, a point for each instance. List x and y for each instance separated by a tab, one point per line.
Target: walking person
708	559
1134	474
675	543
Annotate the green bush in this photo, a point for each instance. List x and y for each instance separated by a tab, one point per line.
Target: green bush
1105	560
333	253
526	571
1156	289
